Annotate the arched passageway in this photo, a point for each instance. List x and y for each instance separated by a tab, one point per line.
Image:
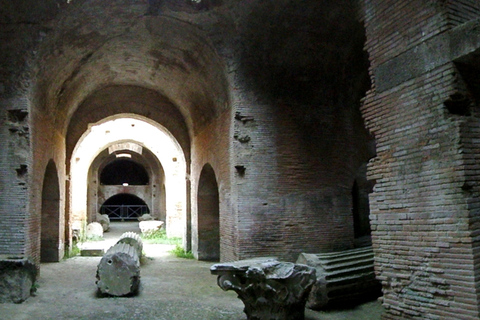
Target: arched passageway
161	69
283	99
124	206
153	151
208	216
126	167
50	225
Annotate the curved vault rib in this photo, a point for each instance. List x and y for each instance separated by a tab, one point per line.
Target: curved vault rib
163	54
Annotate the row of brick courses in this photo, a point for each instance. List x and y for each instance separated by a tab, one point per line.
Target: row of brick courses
414	241
256	158
399	25
461	11
18	229
259	209
297	180
14	204
312	185
470	147
16	220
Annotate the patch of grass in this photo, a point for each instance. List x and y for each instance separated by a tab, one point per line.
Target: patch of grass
94	238
160	237
72	253
33	289
180	253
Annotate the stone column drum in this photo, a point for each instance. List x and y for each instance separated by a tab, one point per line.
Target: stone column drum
118	273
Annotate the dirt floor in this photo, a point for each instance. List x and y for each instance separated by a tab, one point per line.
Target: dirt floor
171	288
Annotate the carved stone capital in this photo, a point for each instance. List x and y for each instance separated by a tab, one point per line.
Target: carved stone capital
269	289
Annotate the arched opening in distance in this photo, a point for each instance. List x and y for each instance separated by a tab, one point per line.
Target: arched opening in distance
165	157
123	171
50	219
208	216
124	206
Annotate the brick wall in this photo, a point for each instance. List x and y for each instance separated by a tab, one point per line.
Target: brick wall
394	26
461	11
421	213
215	137
15	164
295	193
46	145
23	28
298	138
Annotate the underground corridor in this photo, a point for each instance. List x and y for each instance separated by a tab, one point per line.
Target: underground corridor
306	131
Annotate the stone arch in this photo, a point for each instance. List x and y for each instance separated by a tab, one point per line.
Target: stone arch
124	206
149	188
163	68
152	136
208	223
50	216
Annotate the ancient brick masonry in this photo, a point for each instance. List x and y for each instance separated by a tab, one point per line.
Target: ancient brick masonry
297	171
269	102
424	203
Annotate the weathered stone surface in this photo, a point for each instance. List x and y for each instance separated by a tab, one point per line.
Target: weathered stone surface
94	230
17	277
145	217
134	240
269	289
150	226
118	273
104	220
345	277
92	252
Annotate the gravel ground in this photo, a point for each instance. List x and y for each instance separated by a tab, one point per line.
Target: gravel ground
171	289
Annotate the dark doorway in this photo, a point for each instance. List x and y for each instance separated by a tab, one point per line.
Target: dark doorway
124	206
361	212
208	216
50	220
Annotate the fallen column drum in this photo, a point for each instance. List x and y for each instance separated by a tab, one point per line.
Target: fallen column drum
118	273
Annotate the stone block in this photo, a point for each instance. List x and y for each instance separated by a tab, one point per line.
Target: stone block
150	226
92	252
104	220
94	231
17	277
145	217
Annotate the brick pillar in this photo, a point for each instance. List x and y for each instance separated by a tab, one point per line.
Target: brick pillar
14	166
424	204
